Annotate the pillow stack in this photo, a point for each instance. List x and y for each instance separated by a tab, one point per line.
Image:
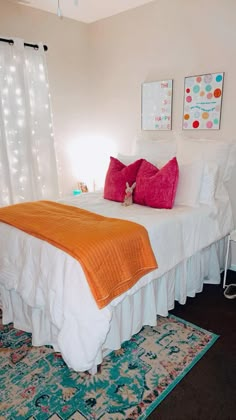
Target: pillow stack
154	187
196	174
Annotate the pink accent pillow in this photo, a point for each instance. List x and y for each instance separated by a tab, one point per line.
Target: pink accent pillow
117	176
157	188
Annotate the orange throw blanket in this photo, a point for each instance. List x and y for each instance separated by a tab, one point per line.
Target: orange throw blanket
113	253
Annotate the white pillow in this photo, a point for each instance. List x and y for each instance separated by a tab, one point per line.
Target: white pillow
189	185
156	150
214	151
209	183
128	159
231	161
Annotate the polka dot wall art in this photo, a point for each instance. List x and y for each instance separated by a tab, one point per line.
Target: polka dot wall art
202	101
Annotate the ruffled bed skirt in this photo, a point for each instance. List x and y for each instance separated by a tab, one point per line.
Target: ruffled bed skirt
128	317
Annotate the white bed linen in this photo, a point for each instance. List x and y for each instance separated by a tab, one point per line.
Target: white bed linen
48	287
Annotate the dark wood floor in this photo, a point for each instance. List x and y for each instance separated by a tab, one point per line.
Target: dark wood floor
208	391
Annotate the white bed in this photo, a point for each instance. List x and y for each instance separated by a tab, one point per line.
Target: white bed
44	290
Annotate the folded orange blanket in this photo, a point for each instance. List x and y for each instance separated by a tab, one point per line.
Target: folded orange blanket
113	253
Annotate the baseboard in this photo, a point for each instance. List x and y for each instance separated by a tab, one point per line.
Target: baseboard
232	267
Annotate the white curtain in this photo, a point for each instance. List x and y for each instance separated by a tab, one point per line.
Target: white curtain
28	169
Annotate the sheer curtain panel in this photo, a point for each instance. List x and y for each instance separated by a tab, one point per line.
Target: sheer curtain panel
28	169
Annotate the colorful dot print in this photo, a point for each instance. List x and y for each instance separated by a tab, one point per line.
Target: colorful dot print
196	88
209	124
202	101
208	88
217	93
208	78
219	78
205	115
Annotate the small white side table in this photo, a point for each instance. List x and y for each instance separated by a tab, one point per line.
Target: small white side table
231	237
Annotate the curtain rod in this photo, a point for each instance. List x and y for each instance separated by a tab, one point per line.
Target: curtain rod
26	44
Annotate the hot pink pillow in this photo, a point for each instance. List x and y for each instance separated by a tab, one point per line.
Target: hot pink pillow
117	176
157	188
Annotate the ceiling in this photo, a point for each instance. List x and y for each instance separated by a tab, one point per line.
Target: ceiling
84	10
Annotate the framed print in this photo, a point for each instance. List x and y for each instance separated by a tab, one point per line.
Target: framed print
202	101
156	105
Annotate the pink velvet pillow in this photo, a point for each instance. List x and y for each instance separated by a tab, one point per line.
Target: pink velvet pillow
157	188
117	176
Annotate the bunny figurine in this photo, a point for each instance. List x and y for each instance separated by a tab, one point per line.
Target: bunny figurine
128	200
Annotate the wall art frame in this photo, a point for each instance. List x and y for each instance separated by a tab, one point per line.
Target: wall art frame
156	113
203	101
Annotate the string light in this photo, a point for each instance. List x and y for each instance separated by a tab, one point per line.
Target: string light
19	101
27	129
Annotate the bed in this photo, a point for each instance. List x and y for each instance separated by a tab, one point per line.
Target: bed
43	290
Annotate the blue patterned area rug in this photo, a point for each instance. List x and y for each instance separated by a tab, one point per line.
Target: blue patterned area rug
36	383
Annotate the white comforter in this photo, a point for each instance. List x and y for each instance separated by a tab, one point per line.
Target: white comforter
51	281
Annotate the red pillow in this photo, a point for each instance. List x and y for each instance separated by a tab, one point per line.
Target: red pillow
117	176
157	188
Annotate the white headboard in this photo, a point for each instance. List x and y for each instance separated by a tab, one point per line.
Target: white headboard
222	153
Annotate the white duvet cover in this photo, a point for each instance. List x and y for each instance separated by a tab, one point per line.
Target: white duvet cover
42	278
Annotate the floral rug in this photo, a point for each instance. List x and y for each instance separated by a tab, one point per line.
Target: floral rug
131	382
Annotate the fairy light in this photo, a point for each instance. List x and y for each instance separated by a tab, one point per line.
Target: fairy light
20	122
19	101
25	114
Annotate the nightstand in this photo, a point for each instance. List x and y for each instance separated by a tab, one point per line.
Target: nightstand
231	237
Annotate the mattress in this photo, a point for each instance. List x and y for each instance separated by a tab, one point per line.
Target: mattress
44	290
